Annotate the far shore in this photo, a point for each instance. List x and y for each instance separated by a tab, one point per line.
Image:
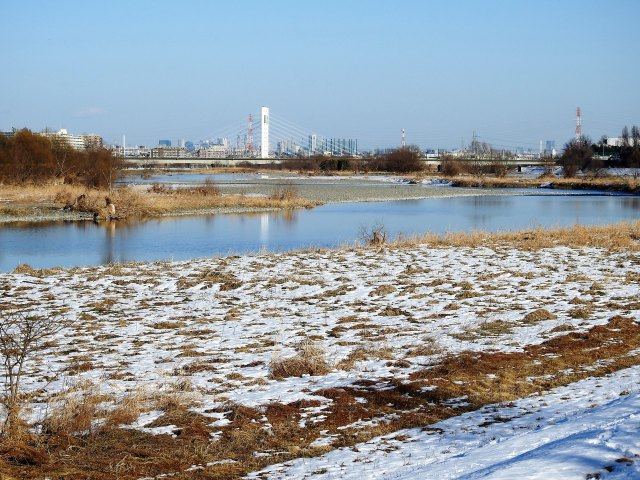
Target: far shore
270	190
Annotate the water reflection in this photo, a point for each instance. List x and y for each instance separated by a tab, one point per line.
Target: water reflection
631	203
85	243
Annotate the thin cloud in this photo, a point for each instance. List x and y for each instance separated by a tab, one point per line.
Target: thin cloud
89	112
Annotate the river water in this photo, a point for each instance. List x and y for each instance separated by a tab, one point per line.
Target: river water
67	244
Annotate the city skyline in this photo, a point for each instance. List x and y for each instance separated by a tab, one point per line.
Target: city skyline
513	73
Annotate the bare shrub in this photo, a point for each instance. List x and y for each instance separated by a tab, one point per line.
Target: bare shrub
208	188
287	193
309	360
375	237
21	337
452	167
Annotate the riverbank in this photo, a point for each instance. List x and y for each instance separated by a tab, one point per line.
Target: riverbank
62	202
266	192
606	183
220	367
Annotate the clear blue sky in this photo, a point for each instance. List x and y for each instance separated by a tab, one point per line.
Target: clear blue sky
513	71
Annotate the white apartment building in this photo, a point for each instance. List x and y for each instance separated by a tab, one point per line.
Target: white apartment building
213	151
79	142
170	152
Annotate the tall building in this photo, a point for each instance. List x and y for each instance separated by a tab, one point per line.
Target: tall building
313	143
549	147
164	143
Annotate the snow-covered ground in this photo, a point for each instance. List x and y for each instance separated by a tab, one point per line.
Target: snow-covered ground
591	427
218	323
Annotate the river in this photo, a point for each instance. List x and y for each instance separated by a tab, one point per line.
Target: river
67	244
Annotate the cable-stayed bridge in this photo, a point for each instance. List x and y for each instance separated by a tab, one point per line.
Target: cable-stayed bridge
267	134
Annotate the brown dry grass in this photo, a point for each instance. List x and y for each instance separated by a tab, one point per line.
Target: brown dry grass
616	237
309	360
538	315
612	183
137	203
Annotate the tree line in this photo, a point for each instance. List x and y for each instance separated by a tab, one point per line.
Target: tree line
403	160
26	157
583	154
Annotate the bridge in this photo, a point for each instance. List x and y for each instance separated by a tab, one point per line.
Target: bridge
196	162
279	139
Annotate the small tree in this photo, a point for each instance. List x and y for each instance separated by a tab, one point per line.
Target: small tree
21	336
403	160
577	156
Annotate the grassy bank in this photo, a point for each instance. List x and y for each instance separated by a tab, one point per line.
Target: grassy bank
136	203
610	184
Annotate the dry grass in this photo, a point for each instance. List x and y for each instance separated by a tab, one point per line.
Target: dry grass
309	360
360	354
538	315
131	203
617	184
616	237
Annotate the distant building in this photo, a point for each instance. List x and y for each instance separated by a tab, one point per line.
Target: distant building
78	142
618	141
92	141
135	151
550	147
164	143
338	146
213	151
313	143
189	146
170	152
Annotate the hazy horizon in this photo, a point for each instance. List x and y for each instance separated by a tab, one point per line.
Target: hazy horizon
513	72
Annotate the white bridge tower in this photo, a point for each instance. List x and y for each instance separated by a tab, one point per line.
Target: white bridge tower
264	133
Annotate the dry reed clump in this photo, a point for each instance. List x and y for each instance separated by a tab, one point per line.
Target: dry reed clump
73	412
538	315
226	280
382	290
363	353
309	360
581	312
287	193
429	348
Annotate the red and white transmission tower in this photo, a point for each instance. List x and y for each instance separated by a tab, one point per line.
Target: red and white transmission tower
404	139
578	124
250	135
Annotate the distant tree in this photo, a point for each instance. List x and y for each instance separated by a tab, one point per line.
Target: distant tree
31	157
635	136
28	157
101	168
403	160
625	136
577	155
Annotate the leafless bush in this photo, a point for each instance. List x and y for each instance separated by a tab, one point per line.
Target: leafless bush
375	237
21	336
451	167
286	193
